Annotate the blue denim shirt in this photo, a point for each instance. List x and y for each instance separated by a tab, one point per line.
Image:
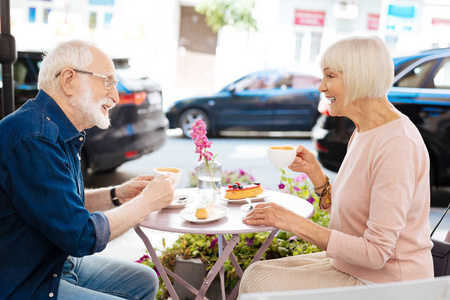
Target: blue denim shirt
42	213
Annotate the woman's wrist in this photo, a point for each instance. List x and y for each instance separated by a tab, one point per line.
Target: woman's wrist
324	193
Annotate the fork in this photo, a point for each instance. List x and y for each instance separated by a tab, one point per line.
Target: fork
249	201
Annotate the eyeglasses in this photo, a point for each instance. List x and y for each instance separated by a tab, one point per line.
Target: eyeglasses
110	81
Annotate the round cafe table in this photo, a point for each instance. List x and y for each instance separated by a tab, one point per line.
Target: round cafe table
169	220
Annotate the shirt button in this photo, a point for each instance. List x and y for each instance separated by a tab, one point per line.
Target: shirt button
55	275
51	295
80	139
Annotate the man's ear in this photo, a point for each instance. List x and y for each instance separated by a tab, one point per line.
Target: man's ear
67	81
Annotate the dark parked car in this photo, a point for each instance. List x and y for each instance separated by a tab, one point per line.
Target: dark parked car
421	90
138	123
269	100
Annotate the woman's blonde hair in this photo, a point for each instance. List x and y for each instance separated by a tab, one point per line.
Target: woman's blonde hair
366	64
73	54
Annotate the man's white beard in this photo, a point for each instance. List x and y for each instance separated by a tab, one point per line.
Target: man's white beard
91	109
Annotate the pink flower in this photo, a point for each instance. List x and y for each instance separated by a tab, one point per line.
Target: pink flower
281	186
301	177
143	258
213	243
293	238
311	200
198	134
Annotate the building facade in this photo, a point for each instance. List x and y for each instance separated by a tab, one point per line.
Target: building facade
172	43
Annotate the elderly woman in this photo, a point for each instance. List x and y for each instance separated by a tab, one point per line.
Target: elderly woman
379	202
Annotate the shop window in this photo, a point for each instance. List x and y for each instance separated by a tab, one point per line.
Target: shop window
298	47
92	20
32	14
316	39
108	18
101	2
46	14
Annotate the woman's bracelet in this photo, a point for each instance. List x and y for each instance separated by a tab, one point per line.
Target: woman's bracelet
324	187
325	192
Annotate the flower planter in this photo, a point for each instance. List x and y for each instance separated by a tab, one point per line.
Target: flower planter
193	271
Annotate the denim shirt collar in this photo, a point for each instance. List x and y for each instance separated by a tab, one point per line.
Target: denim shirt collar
56	114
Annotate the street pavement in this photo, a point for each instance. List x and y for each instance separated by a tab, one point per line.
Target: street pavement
234	152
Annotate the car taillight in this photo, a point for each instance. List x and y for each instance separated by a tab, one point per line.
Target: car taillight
321	148
324	106
132	153
133	98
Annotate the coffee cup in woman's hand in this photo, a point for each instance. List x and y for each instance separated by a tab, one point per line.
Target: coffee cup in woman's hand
282	156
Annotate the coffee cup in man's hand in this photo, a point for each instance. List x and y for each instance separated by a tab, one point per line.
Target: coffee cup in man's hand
175	173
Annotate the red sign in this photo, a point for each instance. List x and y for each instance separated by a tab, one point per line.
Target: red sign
440	22
373	21
309	17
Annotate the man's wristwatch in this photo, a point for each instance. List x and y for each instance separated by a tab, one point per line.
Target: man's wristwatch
114	198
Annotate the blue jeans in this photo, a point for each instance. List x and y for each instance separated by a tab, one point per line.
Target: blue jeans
96	277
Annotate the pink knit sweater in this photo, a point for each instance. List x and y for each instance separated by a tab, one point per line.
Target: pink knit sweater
380	206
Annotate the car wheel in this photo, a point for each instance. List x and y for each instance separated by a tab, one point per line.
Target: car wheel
188	118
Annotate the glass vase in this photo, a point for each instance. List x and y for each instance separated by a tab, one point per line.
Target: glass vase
209	177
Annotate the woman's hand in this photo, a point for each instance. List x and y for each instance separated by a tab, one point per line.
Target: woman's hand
271	214
305	161
130	189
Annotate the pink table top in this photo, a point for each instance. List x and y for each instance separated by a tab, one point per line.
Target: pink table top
169	219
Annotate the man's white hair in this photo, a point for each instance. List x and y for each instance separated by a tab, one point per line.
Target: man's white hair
73	54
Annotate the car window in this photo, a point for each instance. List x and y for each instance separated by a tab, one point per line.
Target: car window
121	63
442	78
301	81
20	72
257	82
417	76
401	66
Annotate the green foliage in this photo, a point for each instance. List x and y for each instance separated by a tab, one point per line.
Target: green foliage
205	247
219	13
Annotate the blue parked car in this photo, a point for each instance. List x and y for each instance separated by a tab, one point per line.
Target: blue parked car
138	123
268	100
421	90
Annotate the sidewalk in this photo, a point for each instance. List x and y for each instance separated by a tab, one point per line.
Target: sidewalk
130	247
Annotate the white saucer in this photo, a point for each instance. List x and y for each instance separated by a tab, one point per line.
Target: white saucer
246	208
177	204
218	212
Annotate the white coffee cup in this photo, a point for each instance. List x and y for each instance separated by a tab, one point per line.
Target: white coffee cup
282	156
172	172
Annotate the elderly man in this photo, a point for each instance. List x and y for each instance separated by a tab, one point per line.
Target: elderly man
49	225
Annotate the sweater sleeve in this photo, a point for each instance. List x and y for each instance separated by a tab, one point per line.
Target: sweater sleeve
390	182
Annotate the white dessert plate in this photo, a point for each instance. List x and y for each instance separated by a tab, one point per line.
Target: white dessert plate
178	201
218	212
260	197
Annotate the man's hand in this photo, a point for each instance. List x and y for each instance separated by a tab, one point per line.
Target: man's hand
159	192
130	189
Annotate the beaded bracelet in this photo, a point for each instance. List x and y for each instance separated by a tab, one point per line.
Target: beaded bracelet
324	187
326	192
